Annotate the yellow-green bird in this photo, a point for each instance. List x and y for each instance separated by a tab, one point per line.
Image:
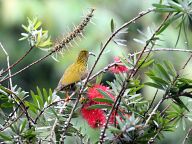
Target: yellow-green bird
76	71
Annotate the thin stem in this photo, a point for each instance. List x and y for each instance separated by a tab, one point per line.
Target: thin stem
28	66
153	112
18	61
8	65
9	71
187	62
141	14
187	135
9	124
151	104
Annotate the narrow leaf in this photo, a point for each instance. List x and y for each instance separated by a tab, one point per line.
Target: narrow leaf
99	106
104	100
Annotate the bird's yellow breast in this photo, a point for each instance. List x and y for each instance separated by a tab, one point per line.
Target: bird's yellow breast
74	73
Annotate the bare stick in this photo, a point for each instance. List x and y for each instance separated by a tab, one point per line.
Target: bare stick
153	112
18	61
28	66
8	65
9	124
187	135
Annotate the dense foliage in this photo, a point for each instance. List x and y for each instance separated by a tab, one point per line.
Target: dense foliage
115	111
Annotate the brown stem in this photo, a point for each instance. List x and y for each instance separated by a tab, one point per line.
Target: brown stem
28	66
18	61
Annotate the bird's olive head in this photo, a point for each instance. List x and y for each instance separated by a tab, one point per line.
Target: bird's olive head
83	56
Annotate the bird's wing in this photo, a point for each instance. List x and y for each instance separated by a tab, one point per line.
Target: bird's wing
72	75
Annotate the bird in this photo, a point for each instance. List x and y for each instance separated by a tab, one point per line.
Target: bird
76	71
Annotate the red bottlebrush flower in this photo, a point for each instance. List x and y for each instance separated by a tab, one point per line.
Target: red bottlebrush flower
95	117
118	68
94	93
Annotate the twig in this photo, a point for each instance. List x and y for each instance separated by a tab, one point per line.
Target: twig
151	104
187	62
102	70
153	112
8	65
60	111
187	135
18	61
94	65
51	104
9	124
9	72
166	108
28	66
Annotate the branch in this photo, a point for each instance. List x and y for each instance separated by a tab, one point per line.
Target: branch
141	14
151	104
9	124
18	61
153	112
28	66
187	135
8	65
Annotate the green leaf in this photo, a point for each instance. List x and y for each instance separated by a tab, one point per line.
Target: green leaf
112	26
159	81
5	137
146	63
38	24
45	94
23	125
154	85
50	96
104	100
114	130
25	28
125	62
7	105
40	97
171	69
105	94
164	8
34	98
176	6
99	106
168	22
32	107
180	103
163	72
99	79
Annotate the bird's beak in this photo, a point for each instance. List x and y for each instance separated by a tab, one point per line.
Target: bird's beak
91	53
